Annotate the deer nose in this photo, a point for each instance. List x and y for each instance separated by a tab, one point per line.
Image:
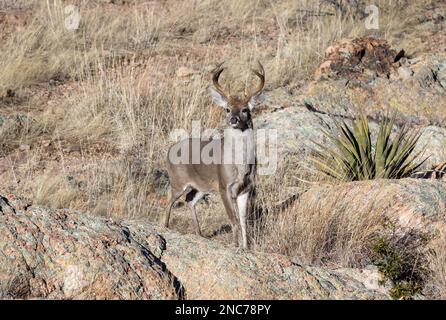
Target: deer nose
233	120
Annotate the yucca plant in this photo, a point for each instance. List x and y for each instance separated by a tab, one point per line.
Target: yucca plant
353	157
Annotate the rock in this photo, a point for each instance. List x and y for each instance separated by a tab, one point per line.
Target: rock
433	142
366	75
290	134
14	20
17	202
202	35
279	98
5	207
72	148
404	73
297	129
184	72
24	147
353	58
225	274
46	143
63	255
60	254
430	72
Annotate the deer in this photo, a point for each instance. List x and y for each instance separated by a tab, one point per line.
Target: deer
234	181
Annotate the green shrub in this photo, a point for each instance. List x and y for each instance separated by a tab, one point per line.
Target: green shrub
401	260
353	156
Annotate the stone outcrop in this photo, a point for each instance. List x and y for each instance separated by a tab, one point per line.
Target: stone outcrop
57	254
432	144
367	75
359	58
61	254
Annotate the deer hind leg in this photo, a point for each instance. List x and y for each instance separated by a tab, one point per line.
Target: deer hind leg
174	196
192	198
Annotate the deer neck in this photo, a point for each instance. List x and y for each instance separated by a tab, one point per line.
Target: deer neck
242	144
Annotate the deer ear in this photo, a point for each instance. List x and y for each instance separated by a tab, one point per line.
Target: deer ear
256	100
219	99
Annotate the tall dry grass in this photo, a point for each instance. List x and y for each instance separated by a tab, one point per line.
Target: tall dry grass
322	232
436	284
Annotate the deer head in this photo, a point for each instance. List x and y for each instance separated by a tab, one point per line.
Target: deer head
238	111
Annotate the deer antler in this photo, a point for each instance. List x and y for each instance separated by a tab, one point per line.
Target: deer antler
215	75
261	74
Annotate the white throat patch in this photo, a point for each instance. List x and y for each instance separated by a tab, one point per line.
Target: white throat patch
239	146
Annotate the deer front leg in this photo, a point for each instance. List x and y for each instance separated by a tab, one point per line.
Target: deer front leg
242	206
230	210
239	203
236	223
241	194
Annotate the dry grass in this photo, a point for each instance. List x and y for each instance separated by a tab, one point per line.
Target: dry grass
113	82
122	61
322	232
436	284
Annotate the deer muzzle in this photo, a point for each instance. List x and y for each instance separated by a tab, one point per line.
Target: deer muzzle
234	120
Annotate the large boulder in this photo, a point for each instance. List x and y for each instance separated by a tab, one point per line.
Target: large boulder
297	129
432	145
60	254
359	58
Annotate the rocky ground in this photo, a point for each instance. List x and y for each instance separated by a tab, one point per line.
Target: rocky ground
61	254
83	186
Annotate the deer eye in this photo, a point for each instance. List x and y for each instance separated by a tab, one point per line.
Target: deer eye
245	110
227	110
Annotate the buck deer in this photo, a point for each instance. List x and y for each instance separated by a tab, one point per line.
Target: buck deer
233	180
